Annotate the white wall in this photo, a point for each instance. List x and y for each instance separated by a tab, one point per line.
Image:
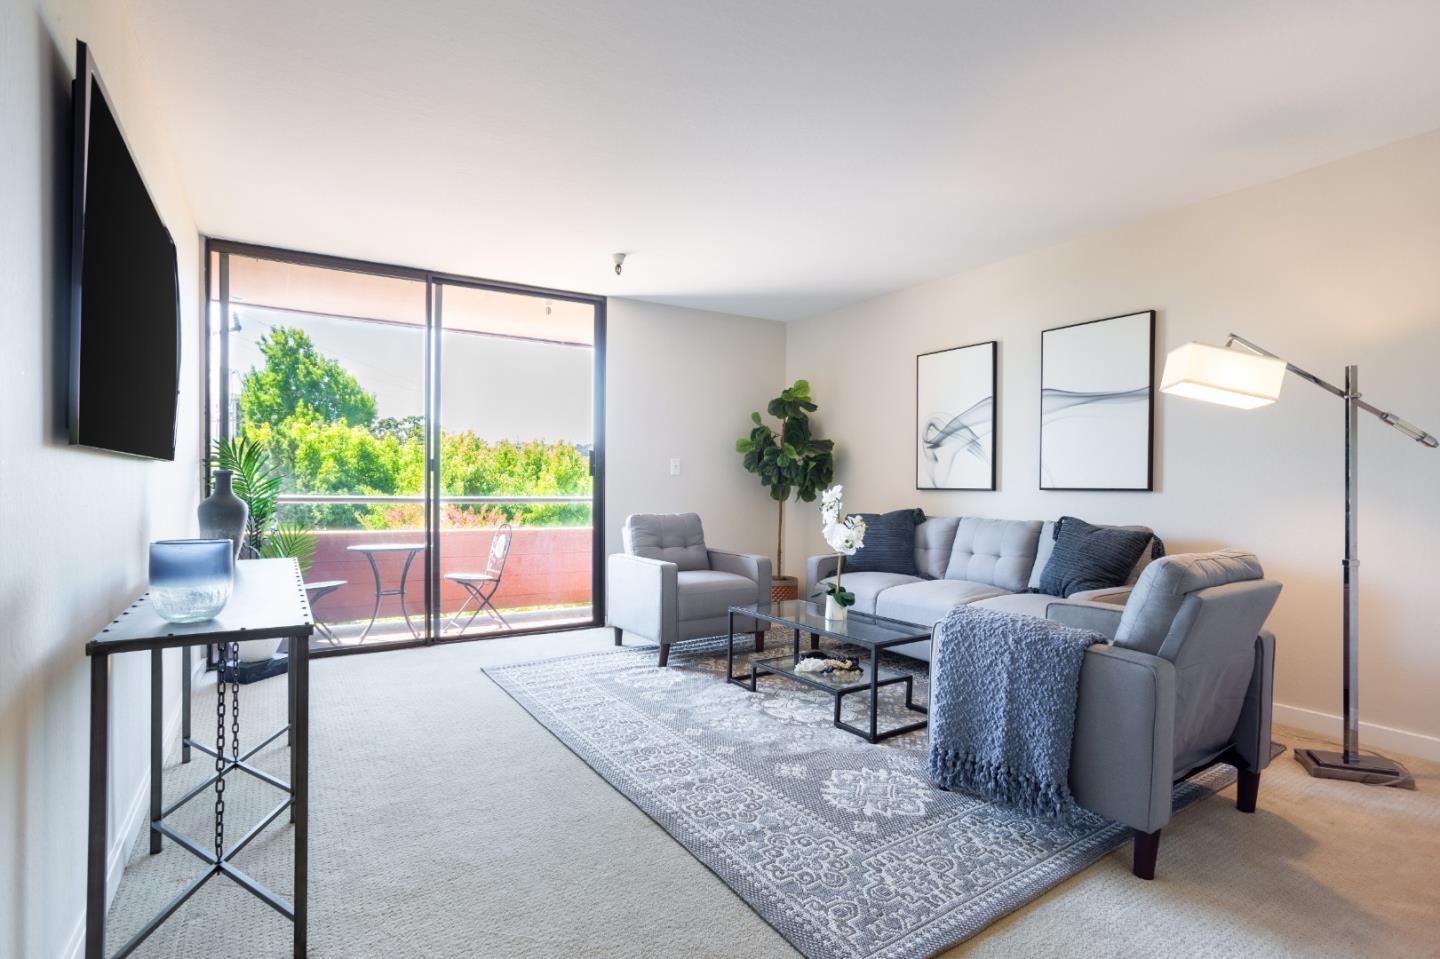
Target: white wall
682	383
74	524
1333	266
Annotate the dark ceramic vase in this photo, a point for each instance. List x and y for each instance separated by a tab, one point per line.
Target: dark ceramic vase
223	514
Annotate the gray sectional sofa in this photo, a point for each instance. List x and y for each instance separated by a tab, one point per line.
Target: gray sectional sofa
986	562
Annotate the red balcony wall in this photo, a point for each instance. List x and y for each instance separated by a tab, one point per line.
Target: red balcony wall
546	567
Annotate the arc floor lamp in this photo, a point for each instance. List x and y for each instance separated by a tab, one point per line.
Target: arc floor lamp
1248	377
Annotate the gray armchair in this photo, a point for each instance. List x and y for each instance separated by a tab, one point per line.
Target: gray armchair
1185	683
667	586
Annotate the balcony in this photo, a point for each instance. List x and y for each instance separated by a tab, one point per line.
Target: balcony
546	580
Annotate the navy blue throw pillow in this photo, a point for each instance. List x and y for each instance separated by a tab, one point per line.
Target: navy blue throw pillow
1087	556
889	543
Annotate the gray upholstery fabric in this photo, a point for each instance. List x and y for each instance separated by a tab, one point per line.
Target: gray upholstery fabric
868	586
927	603
708	593
997	552
1212	645
642	596
1027	604
1151	611
934	539
1102	618
675	538
1122	759
752	567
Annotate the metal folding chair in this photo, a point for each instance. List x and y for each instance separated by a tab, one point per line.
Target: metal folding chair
316	591
481	587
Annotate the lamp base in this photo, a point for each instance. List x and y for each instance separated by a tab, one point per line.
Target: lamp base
1368	768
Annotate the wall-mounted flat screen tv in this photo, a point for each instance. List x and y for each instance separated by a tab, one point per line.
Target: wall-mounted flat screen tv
124	290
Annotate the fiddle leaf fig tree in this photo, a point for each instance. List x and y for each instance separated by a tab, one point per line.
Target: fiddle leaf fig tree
788	459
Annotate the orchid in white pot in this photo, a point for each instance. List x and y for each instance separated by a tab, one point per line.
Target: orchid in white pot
845	537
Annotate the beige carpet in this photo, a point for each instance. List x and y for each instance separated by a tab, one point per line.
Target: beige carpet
446	822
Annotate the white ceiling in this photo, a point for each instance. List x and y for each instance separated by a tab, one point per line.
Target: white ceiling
774	158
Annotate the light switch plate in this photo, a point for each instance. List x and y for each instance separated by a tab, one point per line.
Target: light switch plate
675	466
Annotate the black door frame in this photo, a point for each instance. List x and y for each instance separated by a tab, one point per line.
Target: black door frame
434	281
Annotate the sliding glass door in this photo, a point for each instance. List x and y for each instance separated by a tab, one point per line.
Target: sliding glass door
429	443
515	521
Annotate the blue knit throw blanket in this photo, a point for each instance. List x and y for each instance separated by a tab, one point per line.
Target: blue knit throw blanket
1003	689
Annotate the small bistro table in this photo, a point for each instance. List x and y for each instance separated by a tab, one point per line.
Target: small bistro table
268	601
370	549
873	633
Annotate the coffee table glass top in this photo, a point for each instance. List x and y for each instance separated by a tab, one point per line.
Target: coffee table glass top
861	629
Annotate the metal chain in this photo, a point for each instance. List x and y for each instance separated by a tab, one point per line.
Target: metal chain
220	753
235	705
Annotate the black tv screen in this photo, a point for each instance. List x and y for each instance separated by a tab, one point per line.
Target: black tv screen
124	290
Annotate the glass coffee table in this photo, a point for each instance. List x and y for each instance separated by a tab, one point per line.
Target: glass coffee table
872	633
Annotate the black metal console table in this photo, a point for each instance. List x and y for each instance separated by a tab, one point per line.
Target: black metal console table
872	633
268	602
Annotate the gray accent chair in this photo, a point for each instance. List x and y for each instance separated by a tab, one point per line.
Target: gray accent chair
668	586
1184	683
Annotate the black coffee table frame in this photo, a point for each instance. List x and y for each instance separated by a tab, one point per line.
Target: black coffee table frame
874	634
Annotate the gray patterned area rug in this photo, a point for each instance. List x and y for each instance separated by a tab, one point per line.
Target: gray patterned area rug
844	847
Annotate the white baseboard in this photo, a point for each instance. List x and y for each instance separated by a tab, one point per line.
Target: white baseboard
1372	735
122	838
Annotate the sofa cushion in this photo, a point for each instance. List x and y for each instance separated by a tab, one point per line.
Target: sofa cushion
997	552
889	543
934	539
1162	589
1047	546
1025	604
706	593
1087	556
867	586
928	602
673	537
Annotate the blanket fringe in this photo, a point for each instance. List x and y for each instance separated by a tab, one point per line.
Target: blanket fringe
996	782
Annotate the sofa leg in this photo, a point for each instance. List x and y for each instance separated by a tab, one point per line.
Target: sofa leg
1247	790
759	640
1147	848
619	634
664	654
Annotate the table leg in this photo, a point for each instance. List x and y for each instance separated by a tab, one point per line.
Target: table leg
814	640
185	680
404	576
874	693
797	642
300	782
157	744
375	571
99	825
292	690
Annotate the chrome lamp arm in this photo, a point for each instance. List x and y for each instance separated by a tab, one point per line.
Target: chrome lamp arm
1389	419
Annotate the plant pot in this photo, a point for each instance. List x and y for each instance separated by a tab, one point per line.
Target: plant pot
783	588
258	650
834	612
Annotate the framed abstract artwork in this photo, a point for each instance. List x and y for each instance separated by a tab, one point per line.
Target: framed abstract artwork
1097	404
955	418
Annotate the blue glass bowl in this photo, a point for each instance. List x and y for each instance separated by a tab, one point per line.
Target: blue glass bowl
190	579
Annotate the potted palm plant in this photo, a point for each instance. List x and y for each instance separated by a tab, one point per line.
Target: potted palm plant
790	463
256	481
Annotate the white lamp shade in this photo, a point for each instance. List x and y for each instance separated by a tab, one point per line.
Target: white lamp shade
1228	377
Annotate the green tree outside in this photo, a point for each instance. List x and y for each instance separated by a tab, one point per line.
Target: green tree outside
319	426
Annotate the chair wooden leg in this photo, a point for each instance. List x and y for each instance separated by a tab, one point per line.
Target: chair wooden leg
1247	790
1147	848
619	633
759	640
664	654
